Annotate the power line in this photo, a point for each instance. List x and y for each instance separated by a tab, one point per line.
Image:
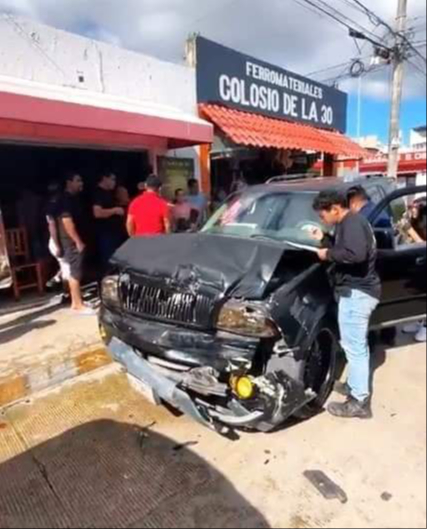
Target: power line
350	20
362	10
353	6
420	74
347	75
341	19
381	21
328	69
348	63
418	68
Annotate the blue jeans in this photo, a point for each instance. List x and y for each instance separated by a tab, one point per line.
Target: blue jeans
354	317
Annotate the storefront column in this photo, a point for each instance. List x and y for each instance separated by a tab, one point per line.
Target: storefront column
205	169
330	166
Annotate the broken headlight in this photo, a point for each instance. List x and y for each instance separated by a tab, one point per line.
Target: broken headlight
247	319
110	293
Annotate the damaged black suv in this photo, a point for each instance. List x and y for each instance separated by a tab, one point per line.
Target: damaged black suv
236	325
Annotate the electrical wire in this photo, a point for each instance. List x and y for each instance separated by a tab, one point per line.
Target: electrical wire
346	64
345	17
353	6
381	21
343	20
419	69
344	76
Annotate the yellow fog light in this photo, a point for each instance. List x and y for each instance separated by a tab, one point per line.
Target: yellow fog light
243	387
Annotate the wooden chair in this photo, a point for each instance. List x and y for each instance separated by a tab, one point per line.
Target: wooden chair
26	275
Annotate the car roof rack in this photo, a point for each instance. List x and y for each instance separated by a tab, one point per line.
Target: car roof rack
291	178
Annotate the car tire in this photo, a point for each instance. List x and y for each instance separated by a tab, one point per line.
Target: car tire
320	368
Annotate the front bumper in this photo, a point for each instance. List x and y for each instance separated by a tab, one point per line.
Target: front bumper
167	390
188	369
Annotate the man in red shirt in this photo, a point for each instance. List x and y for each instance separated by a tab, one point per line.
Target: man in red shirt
149	214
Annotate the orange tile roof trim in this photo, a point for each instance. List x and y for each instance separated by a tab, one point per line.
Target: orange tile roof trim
253	130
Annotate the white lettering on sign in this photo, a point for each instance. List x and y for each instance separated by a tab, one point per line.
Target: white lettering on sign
290	105
268	75
224	88
261	97
327	115
235	90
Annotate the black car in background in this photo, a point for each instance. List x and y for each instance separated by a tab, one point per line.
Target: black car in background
236	325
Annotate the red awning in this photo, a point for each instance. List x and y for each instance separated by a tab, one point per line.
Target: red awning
253	130
30	119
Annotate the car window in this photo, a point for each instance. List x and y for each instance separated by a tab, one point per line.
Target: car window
287	217
408	215
376	194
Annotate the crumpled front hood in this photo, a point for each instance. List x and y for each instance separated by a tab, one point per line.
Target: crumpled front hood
240	268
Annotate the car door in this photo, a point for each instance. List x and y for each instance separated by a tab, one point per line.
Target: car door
5	271
402	267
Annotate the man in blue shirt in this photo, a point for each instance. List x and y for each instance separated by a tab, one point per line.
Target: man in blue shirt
360	202
198	201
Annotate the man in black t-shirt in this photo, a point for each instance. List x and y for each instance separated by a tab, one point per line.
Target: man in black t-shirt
358	290
52	213
70	226
109	217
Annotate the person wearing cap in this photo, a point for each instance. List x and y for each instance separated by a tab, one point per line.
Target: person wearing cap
149	214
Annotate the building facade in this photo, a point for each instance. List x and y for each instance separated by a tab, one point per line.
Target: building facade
65	91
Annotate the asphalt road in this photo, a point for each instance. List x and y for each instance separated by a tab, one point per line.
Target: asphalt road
94	454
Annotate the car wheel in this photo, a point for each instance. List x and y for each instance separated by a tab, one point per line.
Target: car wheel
320	369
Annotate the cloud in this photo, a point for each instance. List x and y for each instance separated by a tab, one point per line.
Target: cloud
279	31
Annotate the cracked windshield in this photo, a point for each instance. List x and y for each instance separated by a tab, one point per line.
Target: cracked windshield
280	217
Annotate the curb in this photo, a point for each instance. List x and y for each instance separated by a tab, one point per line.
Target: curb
14	389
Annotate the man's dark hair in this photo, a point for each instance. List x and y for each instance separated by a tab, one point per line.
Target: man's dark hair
358	192
326	200
193	182
154	182
69	176
104	174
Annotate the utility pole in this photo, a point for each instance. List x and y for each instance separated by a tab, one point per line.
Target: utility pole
398	76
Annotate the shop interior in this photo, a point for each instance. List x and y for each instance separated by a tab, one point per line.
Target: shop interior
27	171
233	165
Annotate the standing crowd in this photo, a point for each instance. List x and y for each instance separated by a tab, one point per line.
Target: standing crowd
115	219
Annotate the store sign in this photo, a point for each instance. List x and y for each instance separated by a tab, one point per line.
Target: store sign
227	77
415	156
175	173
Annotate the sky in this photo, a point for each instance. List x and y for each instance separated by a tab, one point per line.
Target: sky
281	32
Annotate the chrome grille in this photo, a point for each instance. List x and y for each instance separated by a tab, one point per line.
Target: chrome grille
167	305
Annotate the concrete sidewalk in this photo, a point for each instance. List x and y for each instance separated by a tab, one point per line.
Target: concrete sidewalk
42	344
95	454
